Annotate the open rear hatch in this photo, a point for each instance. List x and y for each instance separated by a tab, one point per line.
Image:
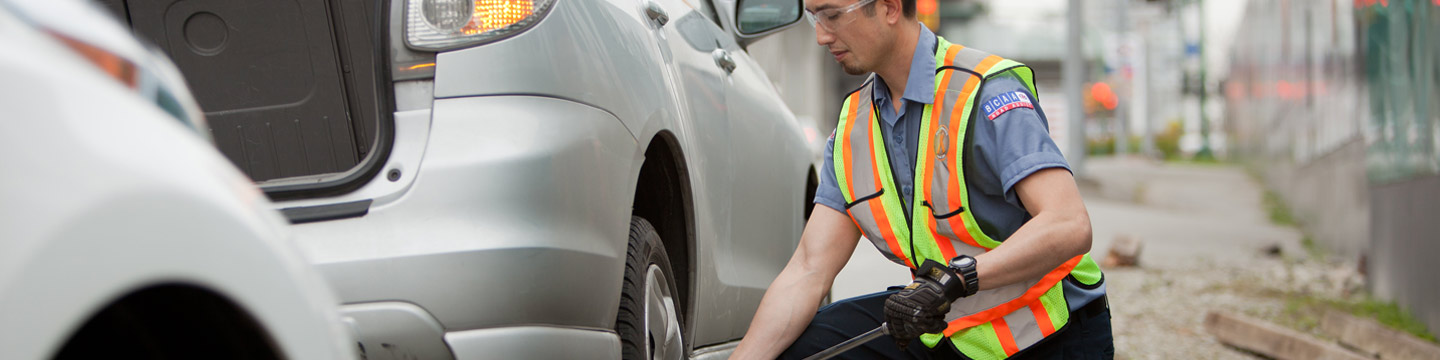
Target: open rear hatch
292	89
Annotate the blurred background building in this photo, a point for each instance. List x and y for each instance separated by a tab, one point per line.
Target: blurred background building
1335	103
1331	103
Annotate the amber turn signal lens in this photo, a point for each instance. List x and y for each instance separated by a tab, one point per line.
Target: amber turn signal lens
117	67
497	14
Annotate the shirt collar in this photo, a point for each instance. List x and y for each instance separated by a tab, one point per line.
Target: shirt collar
920	85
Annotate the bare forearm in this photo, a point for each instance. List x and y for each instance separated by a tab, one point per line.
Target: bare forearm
1059	231
1036	248
789	305
790	302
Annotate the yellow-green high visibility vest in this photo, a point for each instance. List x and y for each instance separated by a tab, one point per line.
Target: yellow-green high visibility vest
992	324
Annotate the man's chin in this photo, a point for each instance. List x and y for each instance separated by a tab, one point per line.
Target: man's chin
853	70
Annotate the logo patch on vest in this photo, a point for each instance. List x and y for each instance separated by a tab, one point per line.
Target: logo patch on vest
1005	102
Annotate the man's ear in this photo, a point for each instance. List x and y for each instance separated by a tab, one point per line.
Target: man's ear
894	10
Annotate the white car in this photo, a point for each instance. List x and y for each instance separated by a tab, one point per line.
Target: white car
123	233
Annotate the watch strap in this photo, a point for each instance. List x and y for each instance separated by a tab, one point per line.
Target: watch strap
972	282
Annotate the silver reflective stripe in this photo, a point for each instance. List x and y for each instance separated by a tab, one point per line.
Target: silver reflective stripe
862	167
945	163
987	299
867	222
1024	327
970	58
862	170
945	150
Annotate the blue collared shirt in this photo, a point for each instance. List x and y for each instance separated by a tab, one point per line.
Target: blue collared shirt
1002	151
919	91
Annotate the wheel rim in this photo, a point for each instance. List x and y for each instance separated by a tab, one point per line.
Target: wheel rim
662	321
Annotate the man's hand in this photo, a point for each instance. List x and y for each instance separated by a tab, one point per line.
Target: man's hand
920	308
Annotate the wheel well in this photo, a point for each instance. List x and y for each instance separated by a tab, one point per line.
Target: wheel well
170	321
663	197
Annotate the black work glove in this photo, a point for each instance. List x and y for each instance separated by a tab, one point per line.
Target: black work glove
920	307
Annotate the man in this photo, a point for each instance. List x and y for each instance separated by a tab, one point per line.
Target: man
944	162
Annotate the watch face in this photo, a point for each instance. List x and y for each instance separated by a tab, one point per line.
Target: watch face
962	262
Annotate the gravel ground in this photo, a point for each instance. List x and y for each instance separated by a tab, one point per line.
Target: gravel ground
1159	313
1208	245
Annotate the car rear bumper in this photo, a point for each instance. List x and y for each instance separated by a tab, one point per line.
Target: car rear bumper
518	215
398	330
534	342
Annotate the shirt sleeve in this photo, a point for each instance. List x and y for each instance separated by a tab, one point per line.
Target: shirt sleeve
1010	138
828	193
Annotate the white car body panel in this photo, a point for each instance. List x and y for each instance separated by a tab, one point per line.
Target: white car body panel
105	194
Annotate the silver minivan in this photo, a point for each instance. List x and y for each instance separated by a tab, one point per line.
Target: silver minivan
511	178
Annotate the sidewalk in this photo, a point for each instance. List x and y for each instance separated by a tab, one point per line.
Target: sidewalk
1208	245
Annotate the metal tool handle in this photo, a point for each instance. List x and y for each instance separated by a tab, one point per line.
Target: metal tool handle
883	330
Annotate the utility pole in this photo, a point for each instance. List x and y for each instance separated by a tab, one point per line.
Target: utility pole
1074	78
1127	88
1142	84
1205	153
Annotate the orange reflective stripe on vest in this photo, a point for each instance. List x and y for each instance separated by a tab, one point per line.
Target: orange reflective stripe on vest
944	145
1007	341
1053	277
1042	318
854	105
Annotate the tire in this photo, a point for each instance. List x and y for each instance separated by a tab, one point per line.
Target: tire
648	322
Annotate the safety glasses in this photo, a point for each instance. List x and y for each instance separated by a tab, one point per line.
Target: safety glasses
834	18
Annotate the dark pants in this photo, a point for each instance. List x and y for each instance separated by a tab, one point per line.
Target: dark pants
1087	336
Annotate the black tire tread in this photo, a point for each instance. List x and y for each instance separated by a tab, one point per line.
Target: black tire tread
644	248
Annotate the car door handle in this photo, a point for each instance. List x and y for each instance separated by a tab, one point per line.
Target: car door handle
723	59
656	13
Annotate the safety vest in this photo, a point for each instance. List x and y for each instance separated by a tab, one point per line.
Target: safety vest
992	324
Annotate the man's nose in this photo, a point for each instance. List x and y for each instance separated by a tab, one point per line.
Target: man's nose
823	37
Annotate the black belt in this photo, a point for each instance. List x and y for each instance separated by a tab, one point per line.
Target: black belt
1095	307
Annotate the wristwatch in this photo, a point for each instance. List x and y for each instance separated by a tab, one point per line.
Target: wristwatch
964	265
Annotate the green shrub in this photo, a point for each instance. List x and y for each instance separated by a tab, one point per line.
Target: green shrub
1102	145
1167	142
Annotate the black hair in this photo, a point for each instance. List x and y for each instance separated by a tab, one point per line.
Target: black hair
906	6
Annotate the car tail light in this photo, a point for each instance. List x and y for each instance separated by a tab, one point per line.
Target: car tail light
117	67
447	24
